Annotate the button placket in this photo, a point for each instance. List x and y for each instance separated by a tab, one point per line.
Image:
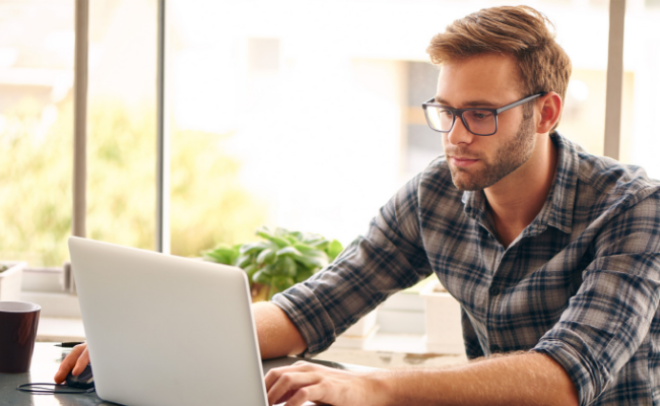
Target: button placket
494	291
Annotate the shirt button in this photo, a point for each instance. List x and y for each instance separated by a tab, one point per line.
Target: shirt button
494	291
495	348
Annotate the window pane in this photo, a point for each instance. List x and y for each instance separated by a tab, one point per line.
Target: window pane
582	30
312	119
639	134
121	150
36	76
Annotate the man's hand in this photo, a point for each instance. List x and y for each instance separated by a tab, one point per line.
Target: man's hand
77	360
303	381
518	379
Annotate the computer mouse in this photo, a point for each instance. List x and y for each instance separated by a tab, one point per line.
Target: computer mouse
83	381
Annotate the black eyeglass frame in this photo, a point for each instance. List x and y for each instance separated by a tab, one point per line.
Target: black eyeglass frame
459	112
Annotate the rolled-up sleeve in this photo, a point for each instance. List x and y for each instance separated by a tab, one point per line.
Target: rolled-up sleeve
609	317
390	257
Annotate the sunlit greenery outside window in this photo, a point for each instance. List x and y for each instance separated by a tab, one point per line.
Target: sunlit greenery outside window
36	53
36	59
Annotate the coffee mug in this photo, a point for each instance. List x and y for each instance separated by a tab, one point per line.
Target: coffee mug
18	330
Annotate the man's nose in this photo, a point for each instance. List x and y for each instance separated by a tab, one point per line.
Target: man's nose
459	134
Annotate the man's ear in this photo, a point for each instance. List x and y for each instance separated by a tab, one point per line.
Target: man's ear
550	109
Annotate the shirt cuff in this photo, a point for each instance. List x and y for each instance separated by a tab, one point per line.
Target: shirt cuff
574	363
308	315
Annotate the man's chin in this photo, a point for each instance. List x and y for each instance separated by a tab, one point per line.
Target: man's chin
467	186
464	180
469	182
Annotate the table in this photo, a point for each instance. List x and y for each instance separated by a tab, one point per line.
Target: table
46	360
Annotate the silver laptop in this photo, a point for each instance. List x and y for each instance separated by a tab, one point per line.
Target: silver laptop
166	330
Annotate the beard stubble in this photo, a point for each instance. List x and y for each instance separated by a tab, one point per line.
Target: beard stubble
510	156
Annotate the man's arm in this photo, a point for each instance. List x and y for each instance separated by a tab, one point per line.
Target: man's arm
277	335
520	379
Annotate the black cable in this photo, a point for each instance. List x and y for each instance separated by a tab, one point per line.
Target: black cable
50	389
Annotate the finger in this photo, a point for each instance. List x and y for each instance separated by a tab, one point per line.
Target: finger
300	366
313	393
306	366
274	374
69	362
288	384
82	362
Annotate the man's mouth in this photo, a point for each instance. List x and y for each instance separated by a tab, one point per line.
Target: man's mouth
462	161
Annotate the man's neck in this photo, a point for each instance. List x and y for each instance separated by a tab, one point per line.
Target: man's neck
518	198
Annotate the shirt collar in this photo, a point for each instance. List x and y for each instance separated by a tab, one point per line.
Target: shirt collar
557	211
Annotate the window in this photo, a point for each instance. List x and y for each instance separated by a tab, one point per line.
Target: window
308	120
121	117
36	76
639	141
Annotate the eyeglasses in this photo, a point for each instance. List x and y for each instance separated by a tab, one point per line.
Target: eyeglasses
478	121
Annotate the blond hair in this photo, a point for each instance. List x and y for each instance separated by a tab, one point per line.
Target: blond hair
520	31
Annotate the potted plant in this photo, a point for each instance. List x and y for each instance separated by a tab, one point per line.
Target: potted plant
282	259
11	277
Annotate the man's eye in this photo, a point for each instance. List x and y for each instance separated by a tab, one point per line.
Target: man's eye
480	115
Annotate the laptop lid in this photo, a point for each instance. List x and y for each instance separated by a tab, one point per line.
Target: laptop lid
166	330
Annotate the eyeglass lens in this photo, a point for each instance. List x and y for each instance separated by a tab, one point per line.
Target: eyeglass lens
477	121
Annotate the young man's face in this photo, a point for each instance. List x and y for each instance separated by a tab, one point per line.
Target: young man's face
489	80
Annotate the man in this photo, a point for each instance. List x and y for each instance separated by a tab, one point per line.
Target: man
551	252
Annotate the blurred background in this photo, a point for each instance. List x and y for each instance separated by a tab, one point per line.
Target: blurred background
299	114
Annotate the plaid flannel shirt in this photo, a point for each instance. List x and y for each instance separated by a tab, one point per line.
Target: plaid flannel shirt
581	283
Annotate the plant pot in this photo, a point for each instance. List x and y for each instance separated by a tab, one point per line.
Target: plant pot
444	333
259	292
10	281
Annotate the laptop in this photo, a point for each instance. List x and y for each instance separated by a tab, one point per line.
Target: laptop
166	330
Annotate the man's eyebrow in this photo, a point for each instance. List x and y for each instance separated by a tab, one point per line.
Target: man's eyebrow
471	103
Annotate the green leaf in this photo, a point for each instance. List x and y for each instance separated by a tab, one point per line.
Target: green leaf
334	250
287	265
210	256
261	277
264	232
314	258
244	260
282	283
302	247
290	251
266	256
250	270
222	253
253	247
274	270
304	275
297	235
321	245
311	239
280	242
